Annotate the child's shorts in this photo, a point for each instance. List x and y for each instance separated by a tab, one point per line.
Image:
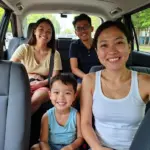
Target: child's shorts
56	146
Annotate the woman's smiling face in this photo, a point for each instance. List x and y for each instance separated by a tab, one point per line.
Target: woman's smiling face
43	32
113	48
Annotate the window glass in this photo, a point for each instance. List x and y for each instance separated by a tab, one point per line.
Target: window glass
63	26
8	35
141	22
2	11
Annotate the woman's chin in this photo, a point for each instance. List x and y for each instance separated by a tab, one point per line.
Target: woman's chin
43	42
114	68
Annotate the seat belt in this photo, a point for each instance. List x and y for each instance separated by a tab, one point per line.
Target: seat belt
51	66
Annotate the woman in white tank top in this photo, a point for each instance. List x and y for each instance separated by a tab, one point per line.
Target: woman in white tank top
115	96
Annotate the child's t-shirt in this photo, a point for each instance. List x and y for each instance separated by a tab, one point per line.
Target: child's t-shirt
62	134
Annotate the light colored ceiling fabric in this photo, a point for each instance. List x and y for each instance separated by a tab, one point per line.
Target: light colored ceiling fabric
101	8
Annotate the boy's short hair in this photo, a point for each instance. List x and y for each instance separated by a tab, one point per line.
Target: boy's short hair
80	18
65	78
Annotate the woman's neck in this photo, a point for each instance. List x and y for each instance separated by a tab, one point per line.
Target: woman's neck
114	76
40	47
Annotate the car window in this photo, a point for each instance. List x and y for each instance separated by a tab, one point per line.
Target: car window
2	11
8	35
63	25
141	22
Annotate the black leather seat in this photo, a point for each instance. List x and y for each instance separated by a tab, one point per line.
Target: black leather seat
63	45
142	138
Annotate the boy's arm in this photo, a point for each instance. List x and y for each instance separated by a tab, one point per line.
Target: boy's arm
44	132
78	142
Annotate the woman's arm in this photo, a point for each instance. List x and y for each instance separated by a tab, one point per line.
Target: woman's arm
19	53
45	82
42	83
44	133
75	69
15	59
144	84
86	112
57	64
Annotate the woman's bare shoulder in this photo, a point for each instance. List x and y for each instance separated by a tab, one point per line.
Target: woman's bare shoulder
144	77
89	77
89	81
144	80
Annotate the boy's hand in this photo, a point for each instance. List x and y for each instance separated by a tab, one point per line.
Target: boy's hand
68	147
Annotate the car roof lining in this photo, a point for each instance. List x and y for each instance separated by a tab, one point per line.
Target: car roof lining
101	8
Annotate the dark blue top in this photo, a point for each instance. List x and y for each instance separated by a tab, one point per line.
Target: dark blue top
86	57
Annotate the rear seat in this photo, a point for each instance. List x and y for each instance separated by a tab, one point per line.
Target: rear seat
17	41
13	44
62	45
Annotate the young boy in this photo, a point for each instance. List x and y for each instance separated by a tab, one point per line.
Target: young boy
60	126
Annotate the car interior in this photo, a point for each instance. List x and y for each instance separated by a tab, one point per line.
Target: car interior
18	129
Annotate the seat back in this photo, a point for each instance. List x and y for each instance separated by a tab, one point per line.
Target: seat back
96	68
134	68
15	42
13	45
30	28
141	140
15	106
62	46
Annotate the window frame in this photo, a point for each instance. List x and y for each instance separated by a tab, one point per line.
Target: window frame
3	27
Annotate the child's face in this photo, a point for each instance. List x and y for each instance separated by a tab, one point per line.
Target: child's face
61	95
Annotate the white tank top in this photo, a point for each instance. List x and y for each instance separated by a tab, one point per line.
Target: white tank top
116	121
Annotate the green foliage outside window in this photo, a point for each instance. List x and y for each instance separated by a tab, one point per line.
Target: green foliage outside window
34	17
2	11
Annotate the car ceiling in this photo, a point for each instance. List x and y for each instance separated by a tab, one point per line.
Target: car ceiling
105	8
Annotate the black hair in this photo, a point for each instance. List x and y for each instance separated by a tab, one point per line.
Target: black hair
51	43
109	24
65	78
80	18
